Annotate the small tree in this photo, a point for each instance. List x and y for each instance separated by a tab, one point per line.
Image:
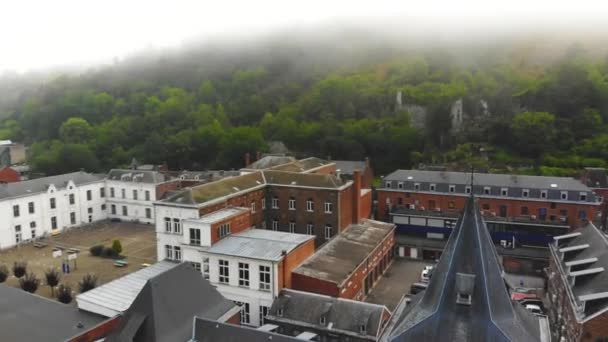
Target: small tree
19	268
96	250
52	279
88	282
3	273
117	247
29	282
109	252
64	294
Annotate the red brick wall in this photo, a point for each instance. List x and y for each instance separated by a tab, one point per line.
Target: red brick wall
310	284
329	169
596	328
99	331
238	223
365	203
235	319
9	175
346	207
294	259
244	201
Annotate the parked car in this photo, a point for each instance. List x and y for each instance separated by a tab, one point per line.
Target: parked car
418	287
535	309
427	273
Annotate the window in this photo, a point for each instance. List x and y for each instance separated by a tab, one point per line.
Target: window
292	227
168	252
54	222
328	207
206	268
177	226
264	204
33	224
125	211
583	196
103	207
275	203
292	203
177	253
400	200
582	214
432	187
310	205
563	212
72	201
33	230
264	278
432	204
111	192
388	184
147	195
524	211
310	230
563	195
16	210
18	234
102	192
72	218
451	205
467	189
486	190
263	313
275	225
253	206
485	206
135	194
245	318
416	186
243	274
148	213
452	188
30	207
223	230
195	236
504	192
552	205
113	209
167	224
400	185
543	194
322	320
224	271
525	193
89	195
328	231
123	192
52	200
90	210
196	266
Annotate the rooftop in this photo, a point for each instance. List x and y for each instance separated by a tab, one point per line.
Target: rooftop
221	215
348	167
338	258
206	330
302	165
118	295
29	317
488	179
259	244
315	180
138	176
39	185
269	161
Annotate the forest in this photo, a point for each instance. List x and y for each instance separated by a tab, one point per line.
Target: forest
205	107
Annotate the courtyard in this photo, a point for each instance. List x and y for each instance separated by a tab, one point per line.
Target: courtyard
138	247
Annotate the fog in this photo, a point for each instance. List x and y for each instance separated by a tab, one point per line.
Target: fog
72	34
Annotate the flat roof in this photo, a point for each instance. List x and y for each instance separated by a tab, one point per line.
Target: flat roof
119	294
336	260
221	215
259	244
29	317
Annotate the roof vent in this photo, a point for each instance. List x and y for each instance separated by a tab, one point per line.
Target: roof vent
465	284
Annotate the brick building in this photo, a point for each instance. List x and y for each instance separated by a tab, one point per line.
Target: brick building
578	286
9	175
350	264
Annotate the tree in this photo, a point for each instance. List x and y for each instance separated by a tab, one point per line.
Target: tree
88	282
117	247
29	283
52	278
76	131
19	268
533	132
64	294
3	273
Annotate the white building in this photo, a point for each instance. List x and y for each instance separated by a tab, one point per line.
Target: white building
47	205
131	193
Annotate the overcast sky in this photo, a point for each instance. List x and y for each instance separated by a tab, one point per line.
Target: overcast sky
37	34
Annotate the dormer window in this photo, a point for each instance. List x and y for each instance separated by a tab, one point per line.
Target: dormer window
465	285
432	187
467	189
486	190
362	329
400	185
452	188
563	195
322	320
543	194
504	192
583	196
280	312
416	186
388	185
525	193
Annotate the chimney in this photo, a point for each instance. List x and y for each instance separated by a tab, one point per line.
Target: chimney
258	155
356	196
367	162
247	159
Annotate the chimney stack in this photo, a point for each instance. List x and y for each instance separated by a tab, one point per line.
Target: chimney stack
367	162
356	196
247	159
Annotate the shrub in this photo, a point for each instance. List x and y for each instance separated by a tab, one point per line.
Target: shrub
3	273
88	282
109	252
52	278
64	294
19	268
96	250
29	282
117	247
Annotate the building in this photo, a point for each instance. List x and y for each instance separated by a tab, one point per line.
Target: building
29	317
345	169
165	307
9	175
597	179
328	318
206	330
350	264
467	298
519	210
49	205
577	286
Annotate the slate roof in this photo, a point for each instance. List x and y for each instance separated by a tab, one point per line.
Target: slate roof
302	165
166	306
338	258
341	315
259	244
492	316
488	179
40	185
348	167
303	179
269	161
138	175
592	257
28	317
206	330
